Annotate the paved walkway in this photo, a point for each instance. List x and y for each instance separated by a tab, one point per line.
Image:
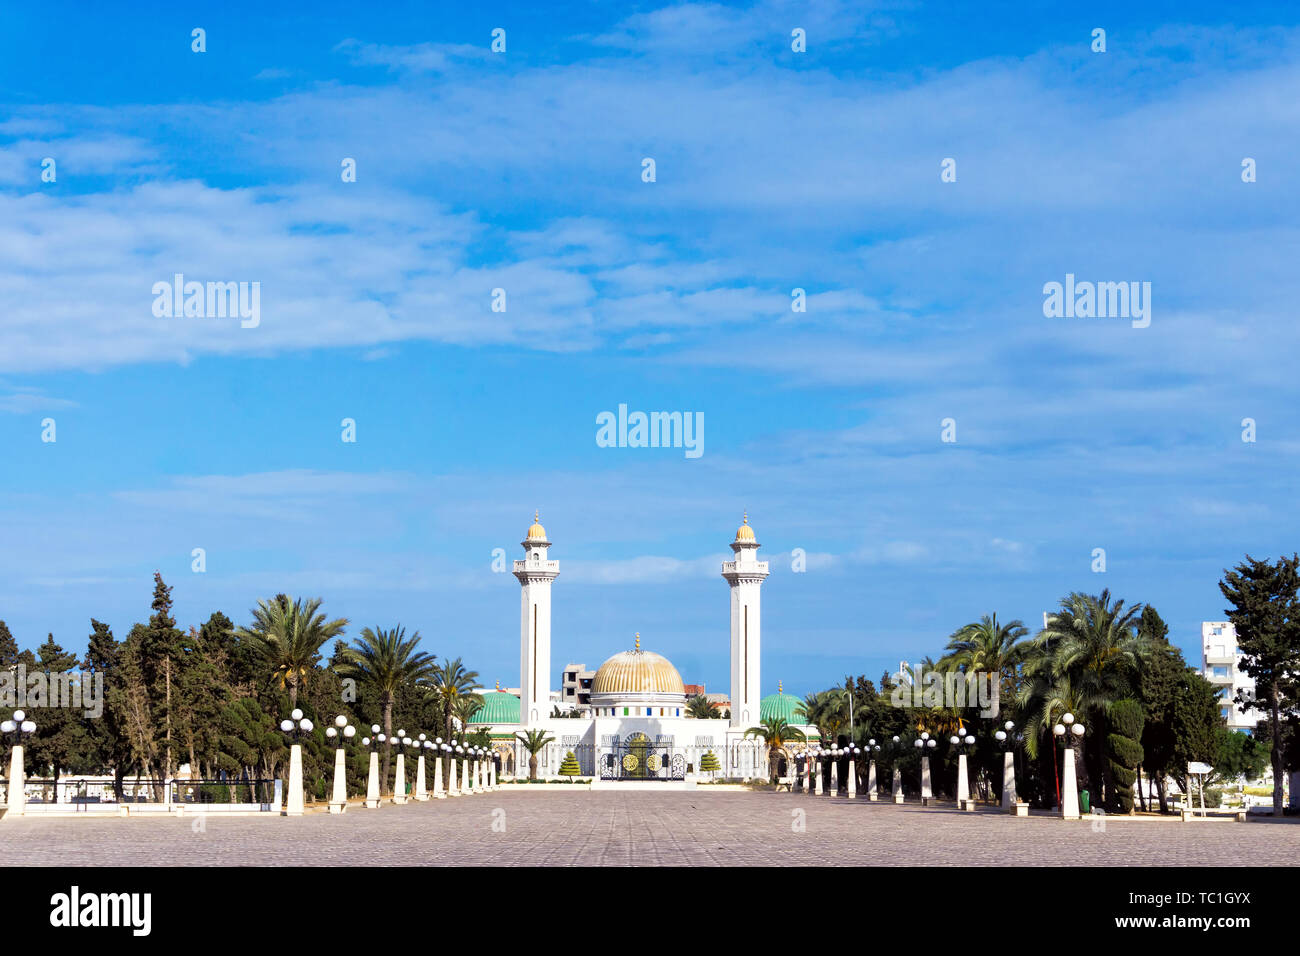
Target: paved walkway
642	828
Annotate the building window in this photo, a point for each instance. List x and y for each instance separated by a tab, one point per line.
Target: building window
624	711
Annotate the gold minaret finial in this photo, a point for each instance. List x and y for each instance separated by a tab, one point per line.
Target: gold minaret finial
537	514
498	685
638	640
780	687
746	521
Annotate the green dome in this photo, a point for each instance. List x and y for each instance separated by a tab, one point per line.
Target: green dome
782	705
498	708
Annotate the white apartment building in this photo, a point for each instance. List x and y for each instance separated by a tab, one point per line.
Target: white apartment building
1221	666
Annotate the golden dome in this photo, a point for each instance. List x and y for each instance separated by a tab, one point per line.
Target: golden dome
637	672
535	531
745	532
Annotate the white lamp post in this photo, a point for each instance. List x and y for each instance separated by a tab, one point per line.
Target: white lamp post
873	748
372	778
896	752
478	768
819	755
925	743
421	791
492	768
1007	743
853	751
295	727
399	787
339	734
17	727
960	741
1066	732
835	771
453	772
464	769
439	750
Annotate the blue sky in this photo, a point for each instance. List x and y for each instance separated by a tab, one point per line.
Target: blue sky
522	171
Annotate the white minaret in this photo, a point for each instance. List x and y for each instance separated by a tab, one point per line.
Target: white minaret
535	575
745	575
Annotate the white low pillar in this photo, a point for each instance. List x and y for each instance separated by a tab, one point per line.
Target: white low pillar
464	777
478	774
339	799
372	782
492	773
808	774
853	778
1009	782
420	792
438	791
293	800
453	778
926	793
819	784
1069	788
963	782
835	776
871	781
16	799
399	788
898	785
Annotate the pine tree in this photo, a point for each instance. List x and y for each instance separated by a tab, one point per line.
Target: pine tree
8	648
570	768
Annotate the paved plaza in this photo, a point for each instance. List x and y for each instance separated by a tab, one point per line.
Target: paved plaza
641	828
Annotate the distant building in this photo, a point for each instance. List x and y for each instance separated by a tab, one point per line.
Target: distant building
575	688
694	690
1221	666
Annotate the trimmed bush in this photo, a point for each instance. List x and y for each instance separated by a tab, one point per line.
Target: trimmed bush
1124	752
570	768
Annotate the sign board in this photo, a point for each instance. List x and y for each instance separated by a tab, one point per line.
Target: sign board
1195	767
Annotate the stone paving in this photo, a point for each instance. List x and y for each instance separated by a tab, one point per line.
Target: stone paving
641	828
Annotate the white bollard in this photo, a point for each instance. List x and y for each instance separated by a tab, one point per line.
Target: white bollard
926	793
372	782
871	781
339	800
293	800
420	792
464	772
963	783
835	777
1069	788
1009	782
820	785
16	799
853	778
898	785
399	788
453	779
438	791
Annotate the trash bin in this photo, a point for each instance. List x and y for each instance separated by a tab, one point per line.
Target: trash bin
1083	801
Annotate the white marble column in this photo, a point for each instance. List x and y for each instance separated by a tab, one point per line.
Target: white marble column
898	785
820	785
808	774
478	774
453	778
372	782
492	773
853	778
835	776
1009	782
872	793
926	793
399	788
16	798
421	793
963	781
293	800
1069	788
339	800
464	780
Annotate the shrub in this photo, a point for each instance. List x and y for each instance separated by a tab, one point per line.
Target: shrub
1124	752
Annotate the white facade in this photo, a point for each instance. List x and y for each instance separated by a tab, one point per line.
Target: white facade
643	711
1221	666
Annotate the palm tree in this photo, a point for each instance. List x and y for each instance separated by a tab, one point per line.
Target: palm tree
288	636
1087	657
387	661
989	647
698	706
776	731
534	741
453	682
